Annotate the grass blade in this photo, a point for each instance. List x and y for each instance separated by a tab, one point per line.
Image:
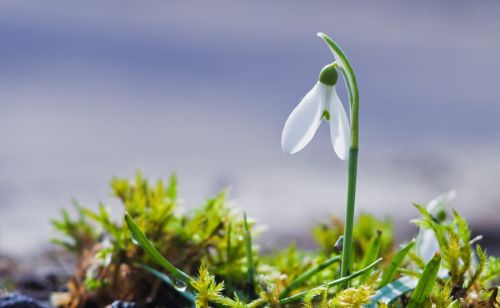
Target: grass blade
308	274
249	255
371	254
146	244
228	245
188	296
300	296
426	282
391	271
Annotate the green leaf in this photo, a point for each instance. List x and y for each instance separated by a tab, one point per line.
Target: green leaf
454	304
426	282
228	243
172	188
391	270
300	296
144	242
190	297
465	251
492	270
372	254
249	256
308	274
417	259
481	255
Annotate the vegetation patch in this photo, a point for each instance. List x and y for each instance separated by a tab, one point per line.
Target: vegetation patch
159	255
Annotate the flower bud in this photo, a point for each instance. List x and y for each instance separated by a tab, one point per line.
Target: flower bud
329	75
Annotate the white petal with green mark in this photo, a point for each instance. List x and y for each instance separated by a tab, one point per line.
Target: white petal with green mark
339	126
303	122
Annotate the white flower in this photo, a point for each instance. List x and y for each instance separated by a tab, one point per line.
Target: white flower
321	102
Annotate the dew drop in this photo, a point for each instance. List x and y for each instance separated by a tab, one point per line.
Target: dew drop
179	285
135	241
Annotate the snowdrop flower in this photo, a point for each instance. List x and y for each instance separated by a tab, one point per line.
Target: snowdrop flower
321	102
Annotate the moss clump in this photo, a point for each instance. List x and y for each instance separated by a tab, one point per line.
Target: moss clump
205	258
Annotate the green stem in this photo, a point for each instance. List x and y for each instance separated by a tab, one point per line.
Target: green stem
300	296
346	264
352	86
249	255
308	274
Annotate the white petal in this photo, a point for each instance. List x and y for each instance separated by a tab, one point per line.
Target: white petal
304	121
339	127
427	244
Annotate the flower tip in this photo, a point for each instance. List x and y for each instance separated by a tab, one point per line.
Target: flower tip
287	150
341	152
342	156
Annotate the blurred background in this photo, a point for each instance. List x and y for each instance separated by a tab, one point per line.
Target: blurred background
93	90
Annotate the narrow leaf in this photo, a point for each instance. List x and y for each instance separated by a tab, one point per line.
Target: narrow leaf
228	245
249	255
391	270
426	282
308	274
172	187
300	296
479	267
372	254
190	297
146	244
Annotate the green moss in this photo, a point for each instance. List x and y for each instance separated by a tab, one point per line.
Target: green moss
209	258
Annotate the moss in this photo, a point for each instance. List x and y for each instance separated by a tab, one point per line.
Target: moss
211	246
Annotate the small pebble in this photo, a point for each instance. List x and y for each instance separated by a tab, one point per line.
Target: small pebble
120	304
16	300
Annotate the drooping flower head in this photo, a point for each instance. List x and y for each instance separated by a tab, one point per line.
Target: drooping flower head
320	103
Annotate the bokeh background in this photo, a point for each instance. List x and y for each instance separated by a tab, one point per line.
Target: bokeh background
92	90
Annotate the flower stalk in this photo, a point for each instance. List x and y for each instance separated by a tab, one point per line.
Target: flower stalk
350	79
323	103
